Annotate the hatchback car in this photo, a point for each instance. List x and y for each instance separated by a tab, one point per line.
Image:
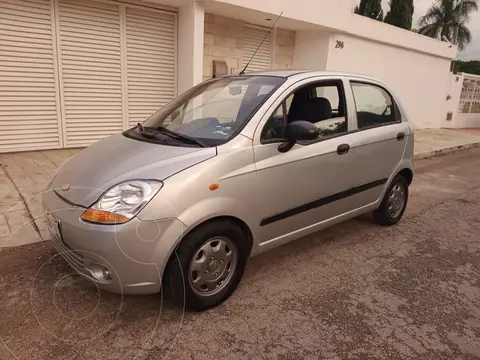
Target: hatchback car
231	168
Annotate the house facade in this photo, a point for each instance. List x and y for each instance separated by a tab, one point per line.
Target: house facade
75	71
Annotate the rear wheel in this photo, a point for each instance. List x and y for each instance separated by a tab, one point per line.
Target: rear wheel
394	202
208	265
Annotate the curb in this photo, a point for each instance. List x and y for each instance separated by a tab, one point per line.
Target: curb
445	151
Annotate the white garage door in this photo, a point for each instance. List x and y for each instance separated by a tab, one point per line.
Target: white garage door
91	73
29	111
94	69
150	61
253	36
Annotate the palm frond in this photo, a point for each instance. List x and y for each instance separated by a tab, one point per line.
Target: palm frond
434	13
467	7
464	37
431	30
446	16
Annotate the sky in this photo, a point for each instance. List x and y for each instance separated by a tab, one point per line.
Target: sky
472	52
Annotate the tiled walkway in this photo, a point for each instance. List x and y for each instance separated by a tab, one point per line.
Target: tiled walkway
23	177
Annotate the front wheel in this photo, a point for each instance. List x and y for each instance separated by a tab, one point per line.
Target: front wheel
394	202
207	266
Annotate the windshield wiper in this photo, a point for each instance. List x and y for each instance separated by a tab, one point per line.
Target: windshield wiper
148	133
152	134
178	136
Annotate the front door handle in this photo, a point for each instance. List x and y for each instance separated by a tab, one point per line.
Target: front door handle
343	149
400	136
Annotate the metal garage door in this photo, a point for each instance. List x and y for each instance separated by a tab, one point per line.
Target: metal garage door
91	73
117	66
75	71
29	110
253	36
150	49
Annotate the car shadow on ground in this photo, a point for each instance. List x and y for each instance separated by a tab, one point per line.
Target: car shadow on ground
68	309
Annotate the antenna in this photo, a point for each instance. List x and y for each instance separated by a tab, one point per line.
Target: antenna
259	46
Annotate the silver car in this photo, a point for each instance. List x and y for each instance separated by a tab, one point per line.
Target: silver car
231	168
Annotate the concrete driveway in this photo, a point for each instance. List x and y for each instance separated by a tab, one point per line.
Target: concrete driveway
354	291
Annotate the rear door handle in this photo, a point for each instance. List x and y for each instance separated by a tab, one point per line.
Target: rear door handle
343	149
400	136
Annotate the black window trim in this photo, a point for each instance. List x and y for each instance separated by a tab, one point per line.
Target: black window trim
337	82
396	109
284	109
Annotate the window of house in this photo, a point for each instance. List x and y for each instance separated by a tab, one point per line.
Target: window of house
374	105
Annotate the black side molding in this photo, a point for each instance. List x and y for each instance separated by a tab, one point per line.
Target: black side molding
323	201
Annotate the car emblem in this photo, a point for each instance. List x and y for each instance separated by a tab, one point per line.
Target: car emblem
65	187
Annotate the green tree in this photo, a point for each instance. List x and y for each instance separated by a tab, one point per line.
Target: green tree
400	14
447	19
470	67
370	8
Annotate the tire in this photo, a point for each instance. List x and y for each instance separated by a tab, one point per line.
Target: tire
180	278
385	215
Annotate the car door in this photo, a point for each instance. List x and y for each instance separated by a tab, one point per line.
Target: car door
308	184
379	140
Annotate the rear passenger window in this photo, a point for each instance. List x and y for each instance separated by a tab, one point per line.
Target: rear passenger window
375	106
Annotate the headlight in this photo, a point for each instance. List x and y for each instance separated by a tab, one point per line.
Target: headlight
122	202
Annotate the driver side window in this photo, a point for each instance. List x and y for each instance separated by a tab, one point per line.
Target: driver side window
321	103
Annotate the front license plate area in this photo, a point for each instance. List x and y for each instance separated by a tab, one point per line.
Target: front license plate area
53	227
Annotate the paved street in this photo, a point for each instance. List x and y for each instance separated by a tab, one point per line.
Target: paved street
354	291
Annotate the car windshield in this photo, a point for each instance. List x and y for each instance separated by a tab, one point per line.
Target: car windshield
214	111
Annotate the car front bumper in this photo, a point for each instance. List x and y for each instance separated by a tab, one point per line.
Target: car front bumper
135	253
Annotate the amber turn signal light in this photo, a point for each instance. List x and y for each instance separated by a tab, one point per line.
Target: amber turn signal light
103	217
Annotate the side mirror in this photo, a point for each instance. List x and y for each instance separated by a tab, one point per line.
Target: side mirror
298	131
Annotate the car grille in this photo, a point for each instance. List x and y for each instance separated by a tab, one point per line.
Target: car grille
73	257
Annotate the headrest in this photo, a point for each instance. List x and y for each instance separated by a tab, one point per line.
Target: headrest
318	109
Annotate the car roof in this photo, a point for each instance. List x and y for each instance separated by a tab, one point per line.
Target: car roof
307	73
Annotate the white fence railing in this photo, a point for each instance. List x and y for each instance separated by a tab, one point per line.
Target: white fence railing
470	95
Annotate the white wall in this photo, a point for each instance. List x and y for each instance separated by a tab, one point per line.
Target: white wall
453	104
335	15
420	81
365	27
311	50
465	121
191	19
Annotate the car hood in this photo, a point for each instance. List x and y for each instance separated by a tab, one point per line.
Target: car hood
87	175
